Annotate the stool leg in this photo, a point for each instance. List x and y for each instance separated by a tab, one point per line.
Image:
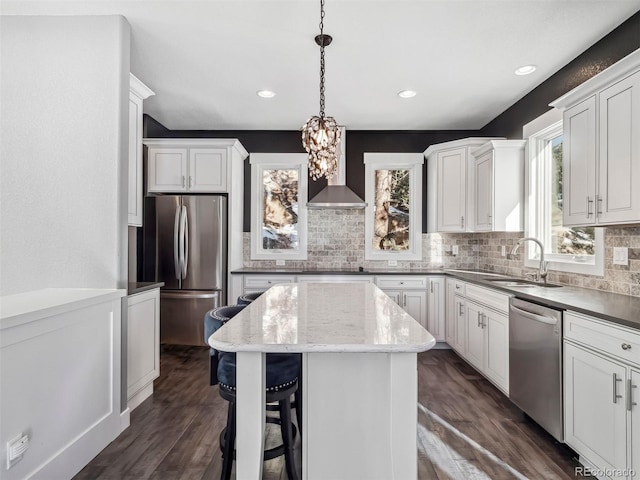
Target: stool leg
229	443
287	438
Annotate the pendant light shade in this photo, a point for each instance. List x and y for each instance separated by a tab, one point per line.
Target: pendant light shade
321	134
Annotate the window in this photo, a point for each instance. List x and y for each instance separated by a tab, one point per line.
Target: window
279	211
569	249
393	217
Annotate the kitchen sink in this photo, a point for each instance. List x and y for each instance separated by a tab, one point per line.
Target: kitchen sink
519	282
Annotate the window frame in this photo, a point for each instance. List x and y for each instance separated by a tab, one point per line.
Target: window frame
538	133
273	161
395	161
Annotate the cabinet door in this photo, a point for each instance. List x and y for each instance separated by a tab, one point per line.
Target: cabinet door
135	161
452	190
475	335
483	192
450	312
496	363
143	340
167	170
619	134
436	309
634	411
396	296
579	163
460	343
595	413
415	304
207	170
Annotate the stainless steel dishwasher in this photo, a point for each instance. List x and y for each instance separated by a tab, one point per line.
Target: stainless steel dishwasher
535	363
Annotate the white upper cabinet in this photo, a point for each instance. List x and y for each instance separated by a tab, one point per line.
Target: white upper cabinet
449	173
191	165
601	158
138	91
497	189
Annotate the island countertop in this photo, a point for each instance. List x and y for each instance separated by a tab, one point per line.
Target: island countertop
323	317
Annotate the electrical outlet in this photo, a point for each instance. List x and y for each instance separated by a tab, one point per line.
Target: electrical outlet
16	448
392	263
454	250
503	251
620	256
280	263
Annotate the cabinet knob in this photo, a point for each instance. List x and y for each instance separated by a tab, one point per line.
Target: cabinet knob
401	283
457	287
626	346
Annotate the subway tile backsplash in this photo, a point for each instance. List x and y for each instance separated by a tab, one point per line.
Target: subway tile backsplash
336	241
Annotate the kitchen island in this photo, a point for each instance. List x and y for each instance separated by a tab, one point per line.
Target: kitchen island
359	351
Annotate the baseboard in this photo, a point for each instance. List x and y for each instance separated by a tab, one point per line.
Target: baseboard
125	419
140	396
441	346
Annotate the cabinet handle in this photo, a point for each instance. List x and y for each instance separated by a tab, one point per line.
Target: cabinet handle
479	319
461	222
431	285
460	312
489	218
483	324
599	206
626	346
630	402
190	181
615	388
404	299
589	202
183	180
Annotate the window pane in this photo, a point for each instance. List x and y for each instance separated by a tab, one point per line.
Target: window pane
280	214
565	240
391	222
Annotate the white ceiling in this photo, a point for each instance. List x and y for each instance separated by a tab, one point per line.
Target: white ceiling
205	60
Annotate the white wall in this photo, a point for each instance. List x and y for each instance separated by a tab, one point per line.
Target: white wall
64	85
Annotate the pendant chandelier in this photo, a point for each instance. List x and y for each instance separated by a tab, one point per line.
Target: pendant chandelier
321	134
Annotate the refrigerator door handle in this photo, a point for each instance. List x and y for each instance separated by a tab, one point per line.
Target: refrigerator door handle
185	249
176	254
181	241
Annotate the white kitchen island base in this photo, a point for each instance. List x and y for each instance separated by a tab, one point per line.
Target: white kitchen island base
362	416
360	380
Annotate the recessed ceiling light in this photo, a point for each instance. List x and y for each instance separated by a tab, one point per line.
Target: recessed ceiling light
406	93
265	93
525	70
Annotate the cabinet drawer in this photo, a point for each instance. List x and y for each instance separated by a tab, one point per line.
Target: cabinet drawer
263	282
456	286
616	340
401	282
491	298
335	279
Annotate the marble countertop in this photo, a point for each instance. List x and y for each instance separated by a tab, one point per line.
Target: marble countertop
613	307
139	287
37	304
323	317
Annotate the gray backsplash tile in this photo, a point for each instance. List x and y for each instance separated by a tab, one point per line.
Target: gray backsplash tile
336	241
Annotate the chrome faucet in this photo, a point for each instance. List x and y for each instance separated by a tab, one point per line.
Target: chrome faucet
542	271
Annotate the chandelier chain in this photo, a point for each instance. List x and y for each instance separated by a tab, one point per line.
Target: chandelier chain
322	59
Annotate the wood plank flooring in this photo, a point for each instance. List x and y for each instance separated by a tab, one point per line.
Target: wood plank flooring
467	429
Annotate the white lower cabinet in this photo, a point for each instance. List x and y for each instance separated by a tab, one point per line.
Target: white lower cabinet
478	329
421	297
143	345
601	381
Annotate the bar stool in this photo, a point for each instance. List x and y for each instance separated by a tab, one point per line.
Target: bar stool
281	382
247	298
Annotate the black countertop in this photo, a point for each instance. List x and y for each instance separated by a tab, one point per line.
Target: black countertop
139	287
613	307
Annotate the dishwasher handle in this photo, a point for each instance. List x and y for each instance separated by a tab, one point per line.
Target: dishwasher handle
534	316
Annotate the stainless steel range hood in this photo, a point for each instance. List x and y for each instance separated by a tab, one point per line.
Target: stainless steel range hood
336	194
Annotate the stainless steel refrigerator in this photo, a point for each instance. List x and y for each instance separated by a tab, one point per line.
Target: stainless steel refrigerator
185	246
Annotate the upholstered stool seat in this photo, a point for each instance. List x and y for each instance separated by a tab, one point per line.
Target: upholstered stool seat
247	298
282	372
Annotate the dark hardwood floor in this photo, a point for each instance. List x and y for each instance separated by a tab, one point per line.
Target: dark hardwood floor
467	429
